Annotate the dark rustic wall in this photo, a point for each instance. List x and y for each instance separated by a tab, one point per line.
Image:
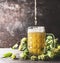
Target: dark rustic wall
17	15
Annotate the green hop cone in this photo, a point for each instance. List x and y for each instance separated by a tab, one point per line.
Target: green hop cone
13	56
49	37
8	54
20	48
15	46
33	58
23	44
26	51
43	57
56	52
23	55
58	47
50	54
24	39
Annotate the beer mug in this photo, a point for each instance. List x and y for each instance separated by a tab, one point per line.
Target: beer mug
36	39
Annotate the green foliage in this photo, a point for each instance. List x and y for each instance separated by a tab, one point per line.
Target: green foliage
52	49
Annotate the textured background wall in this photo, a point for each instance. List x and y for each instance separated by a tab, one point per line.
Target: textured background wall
17	15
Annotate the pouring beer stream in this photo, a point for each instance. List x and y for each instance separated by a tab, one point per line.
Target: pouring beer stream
35	13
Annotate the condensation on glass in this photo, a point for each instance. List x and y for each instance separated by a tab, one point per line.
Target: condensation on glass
36	39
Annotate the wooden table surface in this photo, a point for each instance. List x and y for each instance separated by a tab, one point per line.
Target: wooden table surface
9	60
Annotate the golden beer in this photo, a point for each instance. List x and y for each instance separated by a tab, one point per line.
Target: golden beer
36	39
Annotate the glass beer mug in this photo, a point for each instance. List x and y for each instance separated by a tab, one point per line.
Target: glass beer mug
36	39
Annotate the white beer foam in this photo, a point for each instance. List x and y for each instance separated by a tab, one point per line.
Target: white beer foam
36	29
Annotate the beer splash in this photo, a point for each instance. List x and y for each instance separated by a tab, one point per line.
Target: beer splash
35	13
